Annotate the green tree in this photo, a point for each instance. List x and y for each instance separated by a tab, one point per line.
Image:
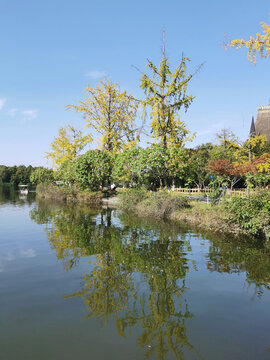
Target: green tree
196	173
124	169
111	113
143	166
4	174
16	174
155	164
21	174
178	165
93	169
42	175
66	172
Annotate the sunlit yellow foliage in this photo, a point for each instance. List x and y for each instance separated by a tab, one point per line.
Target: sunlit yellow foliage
232	145
131	144
67	145
240	156
263	164
165	93
252	148
256	143
109	112
258	44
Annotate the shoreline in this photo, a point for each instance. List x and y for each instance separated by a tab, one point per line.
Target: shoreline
112	201
52	192
232	217
200	215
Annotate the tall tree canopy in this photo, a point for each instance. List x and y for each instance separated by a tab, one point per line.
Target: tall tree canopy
258	44
67	145
166	93
109	112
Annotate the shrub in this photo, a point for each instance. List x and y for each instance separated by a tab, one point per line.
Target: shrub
161	205
68	193
252	213
158	205
50	191
129	198
90	197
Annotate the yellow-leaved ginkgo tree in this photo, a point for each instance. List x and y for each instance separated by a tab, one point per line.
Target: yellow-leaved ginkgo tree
67	145
110	113
255	44
165	94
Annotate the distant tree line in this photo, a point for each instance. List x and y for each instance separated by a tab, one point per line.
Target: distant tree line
17	174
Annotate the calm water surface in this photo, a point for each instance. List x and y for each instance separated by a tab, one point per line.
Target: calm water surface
81	283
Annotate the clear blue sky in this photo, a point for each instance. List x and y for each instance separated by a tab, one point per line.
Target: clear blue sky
51	50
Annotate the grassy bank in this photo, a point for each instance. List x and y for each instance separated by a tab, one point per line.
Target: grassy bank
248	216
50	191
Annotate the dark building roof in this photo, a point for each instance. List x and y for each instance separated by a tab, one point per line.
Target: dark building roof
252	131
262	124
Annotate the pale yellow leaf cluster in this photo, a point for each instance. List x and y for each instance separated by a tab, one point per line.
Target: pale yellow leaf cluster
67	145
165	93
258	44
256	142
247	152
263	165
110	113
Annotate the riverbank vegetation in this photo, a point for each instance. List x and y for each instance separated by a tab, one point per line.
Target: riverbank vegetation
249	215
51	191
207	166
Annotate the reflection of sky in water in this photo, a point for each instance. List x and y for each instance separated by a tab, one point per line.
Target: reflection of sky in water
14	256
27	253
19	237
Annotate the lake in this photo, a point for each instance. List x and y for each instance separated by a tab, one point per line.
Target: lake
93	283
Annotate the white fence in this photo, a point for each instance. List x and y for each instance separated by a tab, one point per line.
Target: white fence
236	192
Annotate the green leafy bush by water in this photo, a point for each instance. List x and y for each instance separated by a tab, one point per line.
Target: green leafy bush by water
92	170
252	213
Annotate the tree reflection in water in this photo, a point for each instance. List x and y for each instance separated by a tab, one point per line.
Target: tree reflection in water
138	278
138	275
244	255
9	193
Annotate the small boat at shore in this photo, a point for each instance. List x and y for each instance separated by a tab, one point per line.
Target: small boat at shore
23	189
